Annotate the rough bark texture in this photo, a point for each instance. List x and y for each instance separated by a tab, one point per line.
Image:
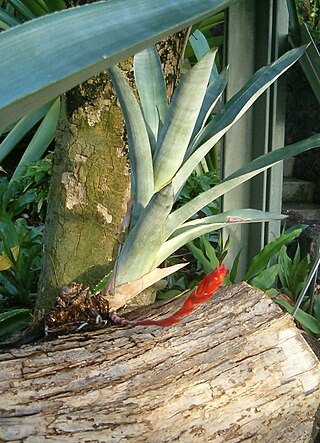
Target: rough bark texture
90	184
236	370
89	190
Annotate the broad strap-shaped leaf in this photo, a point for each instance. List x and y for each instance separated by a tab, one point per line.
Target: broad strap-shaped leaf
277	155
191	230
306	320
312	273
200	47
58	51
200	257
139	145
7	19
152	90
137	256
21	129
14	320
261	260
23	9
54	5
232	111
213	94
42	138
243	174
177	129
266	278
310	62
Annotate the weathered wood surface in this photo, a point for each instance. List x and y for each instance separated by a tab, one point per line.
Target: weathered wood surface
236	370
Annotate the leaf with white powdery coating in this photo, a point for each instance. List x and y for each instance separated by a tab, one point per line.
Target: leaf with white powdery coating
136	258
195	228
152	90
41	139
232	111
177	129
21	129
139	146
213	93
240	176
70	46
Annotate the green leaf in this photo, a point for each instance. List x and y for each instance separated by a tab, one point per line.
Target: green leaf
210	252
177	129
234	268
316	307
8	19
199	255
243	174
137	255
213	94
139	146
266	278
305	320
13	321
21	202
76	43
23	9
152	90
200	47
193	229
285	271
102	283
21	129
232	111
8	235
311	275
261	260
167	295
310	62
299	276
41	140
38	7
55	5
210	22
297	258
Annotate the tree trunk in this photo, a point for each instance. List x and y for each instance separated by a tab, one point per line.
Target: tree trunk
235	370
89	190
90	183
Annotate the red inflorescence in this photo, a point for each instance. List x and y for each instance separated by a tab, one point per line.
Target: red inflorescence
204	291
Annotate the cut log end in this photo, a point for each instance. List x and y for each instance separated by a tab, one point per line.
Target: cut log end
236	370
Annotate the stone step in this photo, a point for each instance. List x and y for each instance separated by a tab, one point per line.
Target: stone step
295	190
288	165
302	211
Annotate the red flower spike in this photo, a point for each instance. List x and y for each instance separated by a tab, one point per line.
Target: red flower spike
205	290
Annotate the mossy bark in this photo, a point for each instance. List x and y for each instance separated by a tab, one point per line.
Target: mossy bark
90	185
89	190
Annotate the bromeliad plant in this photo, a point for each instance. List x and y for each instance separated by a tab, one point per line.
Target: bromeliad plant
166	143
66	36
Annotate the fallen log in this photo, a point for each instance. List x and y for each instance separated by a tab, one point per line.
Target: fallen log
235	370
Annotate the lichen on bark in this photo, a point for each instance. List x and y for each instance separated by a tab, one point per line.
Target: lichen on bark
89	191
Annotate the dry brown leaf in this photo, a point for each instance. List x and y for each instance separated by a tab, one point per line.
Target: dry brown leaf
5	262
124	293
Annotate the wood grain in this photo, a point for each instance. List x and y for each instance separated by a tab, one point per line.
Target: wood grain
235	370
